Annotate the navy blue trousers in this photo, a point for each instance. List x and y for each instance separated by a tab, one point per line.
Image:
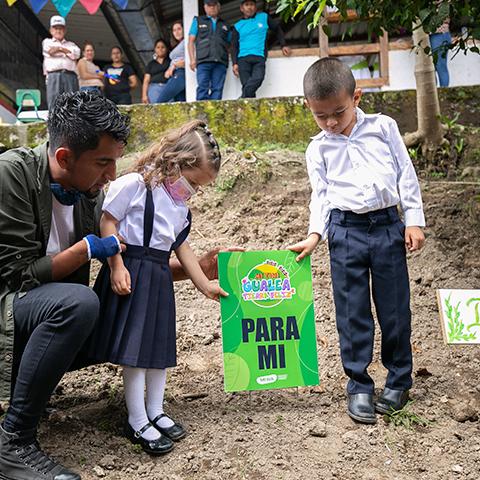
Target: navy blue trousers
366	247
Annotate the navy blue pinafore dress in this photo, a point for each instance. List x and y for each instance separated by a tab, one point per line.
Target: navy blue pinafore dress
138	330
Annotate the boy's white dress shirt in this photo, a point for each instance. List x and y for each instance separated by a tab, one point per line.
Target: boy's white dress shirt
366	171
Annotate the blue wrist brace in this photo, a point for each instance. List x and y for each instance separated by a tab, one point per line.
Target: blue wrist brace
102	248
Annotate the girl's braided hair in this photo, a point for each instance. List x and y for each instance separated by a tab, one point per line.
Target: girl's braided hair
183	148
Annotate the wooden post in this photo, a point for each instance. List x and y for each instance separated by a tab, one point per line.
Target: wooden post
384	58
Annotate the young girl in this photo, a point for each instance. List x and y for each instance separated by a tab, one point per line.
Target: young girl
137	317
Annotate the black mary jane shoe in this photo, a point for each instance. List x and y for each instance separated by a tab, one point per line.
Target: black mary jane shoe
360	407
391	400
153	447
176	432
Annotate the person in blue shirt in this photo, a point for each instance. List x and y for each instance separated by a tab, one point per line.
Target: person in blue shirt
249	46
208	45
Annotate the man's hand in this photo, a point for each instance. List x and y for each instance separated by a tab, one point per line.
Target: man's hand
169	73
414	238
235	70
193	65
213	291
120	280
305	247
209	261
286	51
145	99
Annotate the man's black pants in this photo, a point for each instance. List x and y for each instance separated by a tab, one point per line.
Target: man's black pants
252	72
52	324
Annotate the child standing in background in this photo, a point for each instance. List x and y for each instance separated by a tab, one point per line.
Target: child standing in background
360	172
137	317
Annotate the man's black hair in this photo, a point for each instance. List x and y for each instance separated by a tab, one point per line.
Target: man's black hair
327	77
77	120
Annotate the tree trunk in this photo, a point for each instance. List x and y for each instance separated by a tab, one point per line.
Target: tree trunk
430	130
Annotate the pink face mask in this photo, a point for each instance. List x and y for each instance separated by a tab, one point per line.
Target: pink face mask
180	190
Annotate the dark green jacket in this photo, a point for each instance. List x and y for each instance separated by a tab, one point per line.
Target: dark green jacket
25	219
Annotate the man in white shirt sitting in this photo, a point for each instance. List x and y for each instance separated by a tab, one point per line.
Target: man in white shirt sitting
59	61
360	172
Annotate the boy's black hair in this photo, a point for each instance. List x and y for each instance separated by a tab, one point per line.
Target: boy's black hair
77	120
327	77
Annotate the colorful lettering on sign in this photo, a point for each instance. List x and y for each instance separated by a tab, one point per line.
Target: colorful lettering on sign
267	284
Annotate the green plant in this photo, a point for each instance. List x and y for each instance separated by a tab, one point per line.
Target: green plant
456	328
450	123
226	184
406	418
413	152
459	145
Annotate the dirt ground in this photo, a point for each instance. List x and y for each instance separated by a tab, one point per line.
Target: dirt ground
261	202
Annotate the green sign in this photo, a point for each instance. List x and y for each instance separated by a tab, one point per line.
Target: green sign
268	322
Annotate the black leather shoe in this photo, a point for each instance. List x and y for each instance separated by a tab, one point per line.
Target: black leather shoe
22	459
360	407
153	447
176	432
391	400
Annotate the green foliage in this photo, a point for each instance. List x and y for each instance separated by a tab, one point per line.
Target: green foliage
392	14
406	418
226	184
456	327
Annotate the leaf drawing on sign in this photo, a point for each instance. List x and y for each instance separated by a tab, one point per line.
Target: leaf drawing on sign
477	313
455	325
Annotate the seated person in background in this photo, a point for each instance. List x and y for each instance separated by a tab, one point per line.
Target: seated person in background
174	90
59	61
249	46
90	77
119	79
154	79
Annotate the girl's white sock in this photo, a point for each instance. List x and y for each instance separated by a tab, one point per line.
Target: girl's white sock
134	386
156	379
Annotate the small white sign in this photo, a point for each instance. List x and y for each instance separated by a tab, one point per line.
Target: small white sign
460	315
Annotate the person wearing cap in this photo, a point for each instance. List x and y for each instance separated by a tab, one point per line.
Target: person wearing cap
249	46
208	44
59	61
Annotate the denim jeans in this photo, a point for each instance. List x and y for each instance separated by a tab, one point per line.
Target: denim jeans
154	90
91	89
438	43
174	89
52	325
210	80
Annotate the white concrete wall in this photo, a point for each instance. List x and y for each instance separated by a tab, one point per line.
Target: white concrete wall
284	75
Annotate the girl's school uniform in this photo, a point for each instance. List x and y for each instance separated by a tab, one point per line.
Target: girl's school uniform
138	329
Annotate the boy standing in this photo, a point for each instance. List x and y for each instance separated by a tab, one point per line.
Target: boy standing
360	171
249	46
59	61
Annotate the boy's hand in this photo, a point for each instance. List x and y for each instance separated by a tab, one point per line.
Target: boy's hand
414	238
305	247
213	290
120	280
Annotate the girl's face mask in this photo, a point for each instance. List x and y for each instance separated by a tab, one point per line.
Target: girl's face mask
180	190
